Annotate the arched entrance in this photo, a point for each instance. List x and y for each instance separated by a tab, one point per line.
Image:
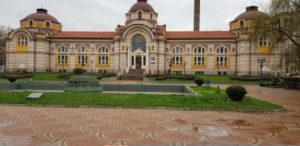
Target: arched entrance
138	52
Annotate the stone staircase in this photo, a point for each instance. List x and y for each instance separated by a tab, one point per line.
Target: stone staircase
133	74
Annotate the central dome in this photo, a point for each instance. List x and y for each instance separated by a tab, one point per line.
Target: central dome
41	15
141	5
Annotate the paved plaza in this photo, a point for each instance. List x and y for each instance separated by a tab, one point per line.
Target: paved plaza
39	126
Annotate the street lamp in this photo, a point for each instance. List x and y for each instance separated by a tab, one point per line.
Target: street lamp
261	61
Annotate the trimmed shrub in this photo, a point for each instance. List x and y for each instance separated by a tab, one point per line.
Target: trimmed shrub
199	82
105	75
236	93
161	78
12	79
64	76
78	71
250	78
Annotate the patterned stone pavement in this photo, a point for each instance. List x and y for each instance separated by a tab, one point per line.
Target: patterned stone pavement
38	126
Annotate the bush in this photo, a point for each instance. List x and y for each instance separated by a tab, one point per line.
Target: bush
78	71
250	78
18	76
12	79
105	75
83	81
199	81
64	76
236	93
161	78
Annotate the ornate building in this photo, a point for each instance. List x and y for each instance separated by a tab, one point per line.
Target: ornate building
40	45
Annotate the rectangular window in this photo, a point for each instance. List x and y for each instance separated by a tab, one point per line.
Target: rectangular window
199	61
82	59
103	59
62	59
177	60
222	61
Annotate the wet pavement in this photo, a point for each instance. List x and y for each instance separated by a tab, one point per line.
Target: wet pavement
50	126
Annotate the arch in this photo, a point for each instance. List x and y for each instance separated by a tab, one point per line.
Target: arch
138	29
48	24
31	23
242	23
103	50
63	49
20	31
222	50
199	50
139	42
83	49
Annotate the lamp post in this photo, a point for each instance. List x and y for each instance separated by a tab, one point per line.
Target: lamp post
261	62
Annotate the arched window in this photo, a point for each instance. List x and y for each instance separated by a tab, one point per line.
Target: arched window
222	56
177	50
242	23
140	15
103	56
177	59
63	55
48	24
30	23
22	40
264	41
138	42
199	56
151	16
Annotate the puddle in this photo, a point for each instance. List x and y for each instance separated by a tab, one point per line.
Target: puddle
5	124
214	131
180	121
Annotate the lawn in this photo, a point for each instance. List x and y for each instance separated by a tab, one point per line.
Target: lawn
209	100
46	77
213	78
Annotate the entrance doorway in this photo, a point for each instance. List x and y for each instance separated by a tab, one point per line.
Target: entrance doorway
138	62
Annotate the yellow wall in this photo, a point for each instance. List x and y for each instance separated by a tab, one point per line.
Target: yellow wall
102	66
227	67
247	24
41	24
86	65
179	67
57	64
21	48
199	67
265	49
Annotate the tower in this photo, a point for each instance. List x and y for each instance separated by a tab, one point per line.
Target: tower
197	4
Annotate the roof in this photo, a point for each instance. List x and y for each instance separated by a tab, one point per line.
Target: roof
252	12
83	35
41	15
194	35
141	5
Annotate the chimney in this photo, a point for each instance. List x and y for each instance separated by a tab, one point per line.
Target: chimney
197	4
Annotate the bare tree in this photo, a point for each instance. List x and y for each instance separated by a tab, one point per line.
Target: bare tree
283	27
3	32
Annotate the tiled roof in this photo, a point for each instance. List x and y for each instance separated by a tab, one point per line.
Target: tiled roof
252	12
141	5
41	15
83	35
194	35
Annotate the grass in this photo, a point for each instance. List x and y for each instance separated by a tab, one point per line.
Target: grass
213	78
46	77
210	100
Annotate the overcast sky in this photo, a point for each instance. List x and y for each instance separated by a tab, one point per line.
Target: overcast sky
104	15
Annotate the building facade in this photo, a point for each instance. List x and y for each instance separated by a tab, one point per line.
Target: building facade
40	45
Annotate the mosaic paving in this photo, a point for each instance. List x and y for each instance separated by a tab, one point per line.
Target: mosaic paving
35	126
